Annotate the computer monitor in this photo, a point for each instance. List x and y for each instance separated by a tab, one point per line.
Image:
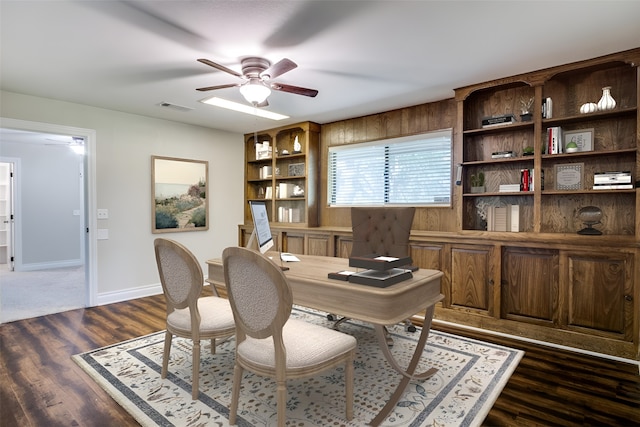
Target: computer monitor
261	230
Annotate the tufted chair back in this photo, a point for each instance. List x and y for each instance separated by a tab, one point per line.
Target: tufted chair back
381	230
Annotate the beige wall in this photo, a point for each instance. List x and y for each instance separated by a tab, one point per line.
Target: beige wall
124	146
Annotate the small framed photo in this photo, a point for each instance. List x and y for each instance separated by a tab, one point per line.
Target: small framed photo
582	138
569	176
296	169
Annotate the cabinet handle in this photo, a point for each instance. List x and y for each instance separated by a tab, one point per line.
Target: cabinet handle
628	298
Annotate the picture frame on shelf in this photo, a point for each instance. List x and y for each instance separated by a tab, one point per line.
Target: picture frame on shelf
569	176
296	169
583	139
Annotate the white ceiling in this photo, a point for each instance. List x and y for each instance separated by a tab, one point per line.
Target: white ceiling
362	56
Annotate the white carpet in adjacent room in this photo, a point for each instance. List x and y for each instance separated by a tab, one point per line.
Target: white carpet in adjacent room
26	294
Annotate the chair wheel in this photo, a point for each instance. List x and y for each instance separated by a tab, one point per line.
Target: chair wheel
410	328
331	317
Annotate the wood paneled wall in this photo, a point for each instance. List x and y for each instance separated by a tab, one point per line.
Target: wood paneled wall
391	124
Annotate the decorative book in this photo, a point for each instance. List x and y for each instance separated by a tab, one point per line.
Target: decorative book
379	278
377	262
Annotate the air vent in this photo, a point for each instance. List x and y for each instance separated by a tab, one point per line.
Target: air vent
175	106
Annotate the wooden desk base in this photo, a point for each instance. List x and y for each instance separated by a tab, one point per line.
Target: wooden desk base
312	288
409	373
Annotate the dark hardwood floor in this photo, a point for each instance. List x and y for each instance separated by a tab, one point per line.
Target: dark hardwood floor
41	386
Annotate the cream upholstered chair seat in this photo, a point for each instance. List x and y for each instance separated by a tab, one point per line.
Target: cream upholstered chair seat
308	345
218	316
268	341
189	315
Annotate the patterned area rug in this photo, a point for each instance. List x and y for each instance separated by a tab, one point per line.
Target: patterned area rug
471	375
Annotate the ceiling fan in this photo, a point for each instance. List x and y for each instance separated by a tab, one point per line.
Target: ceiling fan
256	78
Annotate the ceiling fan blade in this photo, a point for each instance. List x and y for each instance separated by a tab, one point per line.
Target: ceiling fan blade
219	67
203	89
294	89
278	69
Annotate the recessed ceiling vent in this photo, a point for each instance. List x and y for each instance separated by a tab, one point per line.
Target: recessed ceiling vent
175	106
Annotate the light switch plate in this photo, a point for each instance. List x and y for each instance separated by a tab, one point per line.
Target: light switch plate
103	234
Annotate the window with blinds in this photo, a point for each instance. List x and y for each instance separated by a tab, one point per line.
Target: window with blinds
413	170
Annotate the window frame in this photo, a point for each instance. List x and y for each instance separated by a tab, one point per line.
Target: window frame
437	135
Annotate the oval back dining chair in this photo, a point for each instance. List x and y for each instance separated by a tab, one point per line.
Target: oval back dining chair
268	341
188	314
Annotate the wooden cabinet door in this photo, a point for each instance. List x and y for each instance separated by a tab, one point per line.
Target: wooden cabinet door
293	242
427	255
433	256
600	293
472	278
530	285
343	246
319	244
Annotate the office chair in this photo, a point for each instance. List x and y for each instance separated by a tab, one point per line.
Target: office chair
188	315
381	231
268	342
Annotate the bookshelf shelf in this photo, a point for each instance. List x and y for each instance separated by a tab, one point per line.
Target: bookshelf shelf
527	159
500	129
500	194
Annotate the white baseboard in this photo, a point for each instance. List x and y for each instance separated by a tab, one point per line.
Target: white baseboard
35	266
129	294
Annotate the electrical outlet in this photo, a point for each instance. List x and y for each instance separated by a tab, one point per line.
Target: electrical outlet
103	213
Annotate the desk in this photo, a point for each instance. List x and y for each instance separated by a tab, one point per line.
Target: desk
312	288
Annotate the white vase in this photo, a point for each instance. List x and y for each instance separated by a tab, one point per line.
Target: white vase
606	102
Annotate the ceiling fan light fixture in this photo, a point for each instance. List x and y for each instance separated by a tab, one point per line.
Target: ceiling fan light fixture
255	92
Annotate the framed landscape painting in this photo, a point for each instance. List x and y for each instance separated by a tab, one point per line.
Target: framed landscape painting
179	194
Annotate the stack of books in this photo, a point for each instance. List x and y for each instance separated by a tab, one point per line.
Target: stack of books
612	180
382	271
526	179
504	218
505	119
554	140
263	150
509	188
547	108
502	154
288	214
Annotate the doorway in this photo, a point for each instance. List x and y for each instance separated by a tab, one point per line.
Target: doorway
6	211
53	272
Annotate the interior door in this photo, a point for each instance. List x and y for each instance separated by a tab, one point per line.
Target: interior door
6	214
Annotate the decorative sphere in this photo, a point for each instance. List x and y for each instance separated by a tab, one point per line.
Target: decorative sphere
590	214
589	107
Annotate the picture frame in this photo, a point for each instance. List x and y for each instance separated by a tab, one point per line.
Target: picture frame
179	195
569	176
582	137
296	169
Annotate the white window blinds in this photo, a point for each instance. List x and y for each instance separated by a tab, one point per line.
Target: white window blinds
412	170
